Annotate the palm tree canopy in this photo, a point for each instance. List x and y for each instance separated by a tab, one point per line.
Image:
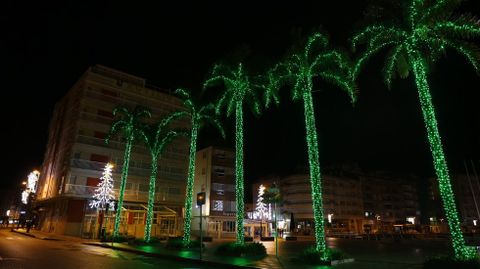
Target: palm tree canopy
199	114
315	60
427	28
238	88
160	135
129	123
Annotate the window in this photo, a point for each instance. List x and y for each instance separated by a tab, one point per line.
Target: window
143	187
218	188
173	190
138	217
104	113
217	205
99	158
229	226
220	172
99	135
204	155
109	93
77	155
128	186
92	181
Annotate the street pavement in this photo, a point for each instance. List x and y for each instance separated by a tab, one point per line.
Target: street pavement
18	251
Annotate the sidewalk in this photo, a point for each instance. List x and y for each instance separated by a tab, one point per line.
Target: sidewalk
48	236
208	256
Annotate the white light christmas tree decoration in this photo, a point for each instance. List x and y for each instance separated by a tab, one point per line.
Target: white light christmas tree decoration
104	192
25	197
261	210
32	182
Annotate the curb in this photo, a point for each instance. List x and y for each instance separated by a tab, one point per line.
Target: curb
22	233
174	258
34	236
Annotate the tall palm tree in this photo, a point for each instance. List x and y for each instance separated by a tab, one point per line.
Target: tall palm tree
130	125
198	115
158	137
238	90
418	38
316	60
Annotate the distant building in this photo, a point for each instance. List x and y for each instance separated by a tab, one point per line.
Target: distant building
76	154
353	203
215	175
342	202
390	203
466	189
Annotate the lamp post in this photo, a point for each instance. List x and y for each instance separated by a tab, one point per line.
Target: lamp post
200	203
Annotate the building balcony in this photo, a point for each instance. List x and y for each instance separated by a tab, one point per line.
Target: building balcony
87	192
132	170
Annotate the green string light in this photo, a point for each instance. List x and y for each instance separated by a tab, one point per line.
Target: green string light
130	125
430	30
157	140
237	91
198	116
299	70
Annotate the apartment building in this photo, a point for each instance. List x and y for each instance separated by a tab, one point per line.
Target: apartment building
390	203
76	155
466	188
215	175
342	201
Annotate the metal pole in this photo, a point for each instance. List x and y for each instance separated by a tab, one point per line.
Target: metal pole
201	233
471	189
276	230
475	174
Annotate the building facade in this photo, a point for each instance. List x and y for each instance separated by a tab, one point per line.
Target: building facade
390	203
76	155
342	202
215	175
353	202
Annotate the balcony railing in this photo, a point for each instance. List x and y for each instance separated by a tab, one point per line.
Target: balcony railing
138	171
129	195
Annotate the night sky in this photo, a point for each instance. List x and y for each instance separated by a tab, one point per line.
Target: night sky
44	50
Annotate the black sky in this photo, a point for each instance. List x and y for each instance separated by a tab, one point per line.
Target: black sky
45	48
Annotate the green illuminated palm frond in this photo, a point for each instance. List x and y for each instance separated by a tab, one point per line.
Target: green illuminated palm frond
238	88
198	116
318	60
423	32
431	29
129	123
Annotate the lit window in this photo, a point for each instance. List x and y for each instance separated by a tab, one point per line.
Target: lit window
217	205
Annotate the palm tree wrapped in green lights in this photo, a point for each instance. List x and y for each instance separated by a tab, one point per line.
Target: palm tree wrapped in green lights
415	40
157	139
300	69
238	90
130	124
198	116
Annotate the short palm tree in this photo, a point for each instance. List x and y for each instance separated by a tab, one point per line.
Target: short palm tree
415	40
198	115
157	139
238	91
130	125
317	60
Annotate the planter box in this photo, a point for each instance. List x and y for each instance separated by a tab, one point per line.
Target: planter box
291	238
336	262
267	238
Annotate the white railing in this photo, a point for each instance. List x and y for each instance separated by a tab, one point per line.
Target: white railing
129	195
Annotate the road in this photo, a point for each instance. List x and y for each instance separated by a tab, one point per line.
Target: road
370	254
22	252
